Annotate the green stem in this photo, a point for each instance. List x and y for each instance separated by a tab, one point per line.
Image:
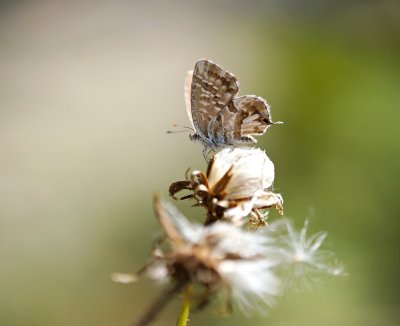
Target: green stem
185	308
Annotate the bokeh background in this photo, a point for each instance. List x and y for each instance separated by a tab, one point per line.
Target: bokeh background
87	91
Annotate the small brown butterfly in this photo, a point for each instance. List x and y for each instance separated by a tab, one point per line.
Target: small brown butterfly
218	117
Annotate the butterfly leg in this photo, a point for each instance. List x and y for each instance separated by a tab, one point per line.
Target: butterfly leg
208	153
204	151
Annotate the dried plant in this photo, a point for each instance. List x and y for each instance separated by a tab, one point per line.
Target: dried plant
222	256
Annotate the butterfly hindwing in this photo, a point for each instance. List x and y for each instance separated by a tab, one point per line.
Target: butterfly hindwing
253	117
243	117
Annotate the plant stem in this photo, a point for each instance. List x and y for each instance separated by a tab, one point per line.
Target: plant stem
159	304
185	309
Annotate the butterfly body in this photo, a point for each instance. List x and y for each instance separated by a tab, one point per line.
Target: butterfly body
219	118
216	140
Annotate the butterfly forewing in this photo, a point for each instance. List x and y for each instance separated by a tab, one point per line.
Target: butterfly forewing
212	89
187	90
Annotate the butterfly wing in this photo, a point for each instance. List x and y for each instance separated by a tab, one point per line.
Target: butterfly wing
245	116
212	89
187	92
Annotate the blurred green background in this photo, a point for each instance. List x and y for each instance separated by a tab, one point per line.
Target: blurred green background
87	91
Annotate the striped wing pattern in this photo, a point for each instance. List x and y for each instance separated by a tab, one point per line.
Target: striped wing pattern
220	118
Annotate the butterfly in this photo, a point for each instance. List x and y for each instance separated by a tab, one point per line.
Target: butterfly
219	117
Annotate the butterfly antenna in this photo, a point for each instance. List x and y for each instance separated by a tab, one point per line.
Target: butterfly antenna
185	127
176	131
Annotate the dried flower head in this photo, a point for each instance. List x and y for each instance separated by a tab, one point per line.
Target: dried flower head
236	184
253	267
216	257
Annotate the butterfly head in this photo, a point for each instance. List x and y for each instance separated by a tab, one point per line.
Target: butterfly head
194	137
